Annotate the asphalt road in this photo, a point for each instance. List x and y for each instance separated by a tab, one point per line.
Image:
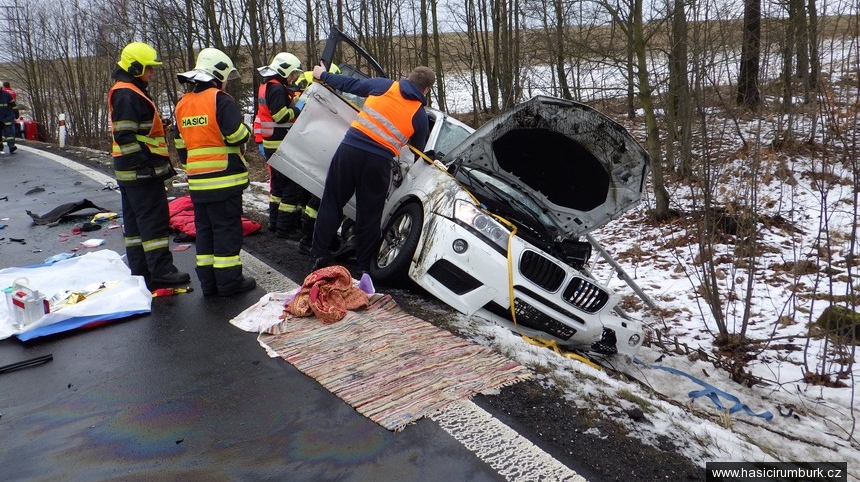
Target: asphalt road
179	394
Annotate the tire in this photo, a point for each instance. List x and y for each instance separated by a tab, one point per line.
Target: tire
399	242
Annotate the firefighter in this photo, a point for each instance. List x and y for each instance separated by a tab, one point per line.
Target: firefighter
311	208
277	111
141	165
211	135
392	115
8	116
307	77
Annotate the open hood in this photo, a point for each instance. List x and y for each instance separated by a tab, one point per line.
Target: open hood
580	167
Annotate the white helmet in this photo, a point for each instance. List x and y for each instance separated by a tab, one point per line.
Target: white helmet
212	64
283	64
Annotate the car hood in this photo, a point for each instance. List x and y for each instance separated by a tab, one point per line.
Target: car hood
582	168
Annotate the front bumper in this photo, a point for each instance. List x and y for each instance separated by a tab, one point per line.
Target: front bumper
552	300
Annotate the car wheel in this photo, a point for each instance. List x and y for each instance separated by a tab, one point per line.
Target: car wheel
399	241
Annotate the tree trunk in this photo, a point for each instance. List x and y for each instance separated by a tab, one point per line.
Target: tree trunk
661	195
815	61
801	47
311	35
437	59
748	89
678	118
558	48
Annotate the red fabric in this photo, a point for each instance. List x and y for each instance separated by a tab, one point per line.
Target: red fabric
182	218
327	293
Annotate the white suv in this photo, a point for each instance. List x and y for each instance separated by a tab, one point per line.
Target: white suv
498	213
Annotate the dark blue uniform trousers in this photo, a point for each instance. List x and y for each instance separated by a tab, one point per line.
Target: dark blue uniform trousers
367	175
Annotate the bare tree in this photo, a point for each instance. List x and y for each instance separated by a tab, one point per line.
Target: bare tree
748	88
678	118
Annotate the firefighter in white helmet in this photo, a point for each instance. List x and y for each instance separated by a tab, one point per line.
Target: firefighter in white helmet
276	112
210	141
141	165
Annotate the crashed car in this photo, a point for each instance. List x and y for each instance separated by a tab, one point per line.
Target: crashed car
490	221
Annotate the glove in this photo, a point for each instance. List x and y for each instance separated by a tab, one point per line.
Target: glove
261	149
300	104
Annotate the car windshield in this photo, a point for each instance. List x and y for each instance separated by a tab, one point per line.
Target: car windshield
450	135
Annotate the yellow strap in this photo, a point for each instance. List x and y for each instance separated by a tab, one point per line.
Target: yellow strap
543	343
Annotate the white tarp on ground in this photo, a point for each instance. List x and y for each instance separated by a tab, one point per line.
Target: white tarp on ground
124	295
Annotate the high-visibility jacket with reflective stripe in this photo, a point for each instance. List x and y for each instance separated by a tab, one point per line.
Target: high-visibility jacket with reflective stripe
207	151
127	166
258	131
272	131
387	118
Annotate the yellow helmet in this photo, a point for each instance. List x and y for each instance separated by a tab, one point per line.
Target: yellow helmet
304	80
307	77
136	57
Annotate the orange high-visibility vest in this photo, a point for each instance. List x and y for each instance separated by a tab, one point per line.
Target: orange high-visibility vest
155	138
387	118
267	123
198	126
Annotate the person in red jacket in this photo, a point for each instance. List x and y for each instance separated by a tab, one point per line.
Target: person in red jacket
141	165
8	88
277	111
392	115
211	134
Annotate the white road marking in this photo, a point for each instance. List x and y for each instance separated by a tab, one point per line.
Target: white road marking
514	457
79	168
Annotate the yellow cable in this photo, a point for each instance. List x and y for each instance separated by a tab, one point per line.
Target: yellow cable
544	343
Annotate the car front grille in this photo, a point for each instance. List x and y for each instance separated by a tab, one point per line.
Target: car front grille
585	295
541	271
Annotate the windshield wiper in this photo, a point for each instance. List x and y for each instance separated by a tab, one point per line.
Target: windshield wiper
518	206
514	205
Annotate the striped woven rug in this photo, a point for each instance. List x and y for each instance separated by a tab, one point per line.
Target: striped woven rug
390	366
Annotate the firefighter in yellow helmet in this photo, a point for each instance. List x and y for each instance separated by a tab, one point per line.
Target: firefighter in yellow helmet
141	165
311	208
307	77
211	134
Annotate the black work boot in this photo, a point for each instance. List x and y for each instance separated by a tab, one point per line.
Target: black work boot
307	235
323	262
288	225
273	217
208	285
247	284
173	278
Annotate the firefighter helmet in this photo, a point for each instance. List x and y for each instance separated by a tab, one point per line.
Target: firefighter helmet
136	57
307	77
283	64
212	64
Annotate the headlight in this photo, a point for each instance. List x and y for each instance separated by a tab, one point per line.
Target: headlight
481	223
